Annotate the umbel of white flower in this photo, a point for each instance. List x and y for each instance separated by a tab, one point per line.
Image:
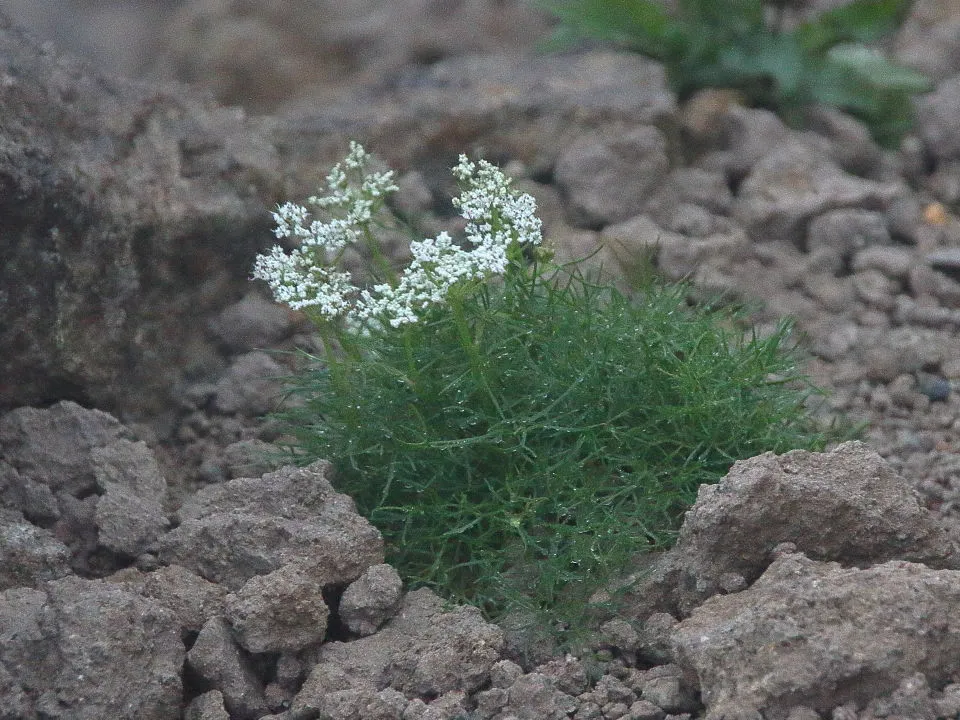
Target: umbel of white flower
307	278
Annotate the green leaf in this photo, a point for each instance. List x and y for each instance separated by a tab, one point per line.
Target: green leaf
641	25
728	43
873	68
779	58
838	86
736	18
895	118
886	110
858	21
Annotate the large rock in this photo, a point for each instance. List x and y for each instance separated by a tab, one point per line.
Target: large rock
252	323
283	611
208	706
371	600
130	514
535	696
263	54
53	446
76	472
426	650
531	108
126	209
608	179
844	232
86	650
732	137
250	386
216	659
191	599
236	530
794	183
29	554
819	635
847	506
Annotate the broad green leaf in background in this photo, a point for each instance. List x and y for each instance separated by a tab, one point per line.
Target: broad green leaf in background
859	21
641	25
728	44
872	67
737	18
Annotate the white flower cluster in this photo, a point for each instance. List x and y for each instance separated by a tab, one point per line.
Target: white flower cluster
359	203
306	277
498	219
299	281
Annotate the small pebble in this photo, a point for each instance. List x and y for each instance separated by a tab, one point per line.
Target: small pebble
935	387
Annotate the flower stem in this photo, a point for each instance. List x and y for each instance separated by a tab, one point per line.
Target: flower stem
468	343
380	261
338	368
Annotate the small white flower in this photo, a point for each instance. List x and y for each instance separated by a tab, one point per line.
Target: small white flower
496	215
297	280
289	217
498	218
353	190
357	157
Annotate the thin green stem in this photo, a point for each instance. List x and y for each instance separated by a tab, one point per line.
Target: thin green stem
412	378
469	345
338	368
380	260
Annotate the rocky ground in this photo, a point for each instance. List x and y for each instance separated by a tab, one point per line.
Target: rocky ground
156	565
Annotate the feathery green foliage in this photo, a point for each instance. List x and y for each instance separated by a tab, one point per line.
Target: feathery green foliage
520	438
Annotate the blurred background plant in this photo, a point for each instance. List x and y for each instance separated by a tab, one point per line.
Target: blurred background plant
750	47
